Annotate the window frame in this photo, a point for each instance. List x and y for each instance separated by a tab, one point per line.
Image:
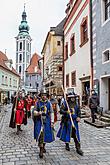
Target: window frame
67	82
73	84
83	41
107	5
72	39
103	54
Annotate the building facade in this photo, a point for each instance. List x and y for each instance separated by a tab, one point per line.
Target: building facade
23	49
33	82
101	50
52	53
77	67
9	79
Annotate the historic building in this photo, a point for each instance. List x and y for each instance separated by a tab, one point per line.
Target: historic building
9	79
33	75
77	66
101	50
23	49
52	53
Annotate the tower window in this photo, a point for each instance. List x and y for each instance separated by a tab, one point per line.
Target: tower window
20	58
19	69
20	45
107	9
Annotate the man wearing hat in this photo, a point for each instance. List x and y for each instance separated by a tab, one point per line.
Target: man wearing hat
67	129
43	123
18	110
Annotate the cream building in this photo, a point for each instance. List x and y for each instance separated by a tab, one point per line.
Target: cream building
52	53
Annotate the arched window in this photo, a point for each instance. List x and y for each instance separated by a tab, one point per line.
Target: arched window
20	58
20	45
19	69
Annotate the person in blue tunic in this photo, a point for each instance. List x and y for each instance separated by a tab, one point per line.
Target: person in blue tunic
66	130
43	123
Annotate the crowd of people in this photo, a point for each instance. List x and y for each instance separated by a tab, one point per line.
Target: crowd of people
44	110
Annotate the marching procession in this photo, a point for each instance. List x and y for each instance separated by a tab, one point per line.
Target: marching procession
44	111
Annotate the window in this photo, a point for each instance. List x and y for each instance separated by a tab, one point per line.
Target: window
67	80
2	79
20	46
19	69
24	45
16	46
73	78
84	31
107	9
72	44
58	43
66	52
6	80
20	58
10	82
106	56
60	68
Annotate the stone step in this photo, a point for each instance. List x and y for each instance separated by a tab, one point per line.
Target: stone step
106	115
105	119
98	123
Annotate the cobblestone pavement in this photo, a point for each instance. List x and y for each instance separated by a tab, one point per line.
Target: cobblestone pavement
22	149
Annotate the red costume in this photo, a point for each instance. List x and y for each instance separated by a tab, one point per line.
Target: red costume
54	106
29	103
19	116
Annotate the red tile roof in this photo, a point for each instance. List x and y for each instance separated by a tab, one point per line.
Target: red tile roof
3	59
34	63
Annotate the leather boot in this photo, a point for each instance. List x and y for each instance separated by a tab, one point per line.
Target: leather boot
67	147
79	151
41	152
18	129
44	150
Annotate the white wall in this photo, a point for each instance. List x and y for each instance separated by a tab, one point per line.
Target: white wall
80	61
104	93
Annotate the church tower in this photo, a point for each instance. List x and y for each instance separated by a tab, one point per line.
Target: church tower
23	48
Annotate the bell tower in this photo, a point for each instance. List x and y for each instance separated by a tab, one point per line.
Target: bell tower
23	48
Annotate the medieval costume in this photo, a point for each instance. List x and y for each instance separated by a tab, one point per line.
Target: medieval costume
18	111
67	130
43	123
55	107
29	103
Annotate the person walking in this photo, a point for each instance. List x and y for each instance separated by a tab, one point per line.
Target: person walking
18	110
67	130
43	123
93	103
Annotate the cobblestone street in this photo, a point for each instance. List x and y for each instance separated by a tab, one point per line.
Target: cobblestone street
22	149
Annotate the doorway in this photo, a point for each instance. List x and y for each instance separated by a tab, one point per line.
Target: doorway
85	92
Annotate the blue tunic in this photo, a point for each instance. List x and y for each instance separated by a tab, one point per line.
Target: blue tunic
65	130
39	124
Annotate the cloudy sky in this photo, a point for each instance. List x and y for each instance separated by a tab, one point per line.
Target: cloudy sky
41	15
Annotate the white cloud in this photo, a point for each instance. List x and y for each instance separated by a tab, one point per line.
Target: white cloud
41	15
